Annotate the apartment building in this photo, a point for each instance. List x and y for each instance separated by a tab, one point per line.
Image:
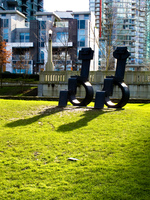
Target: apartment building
27	7
123	23
24	42
75	31
64	39
87	35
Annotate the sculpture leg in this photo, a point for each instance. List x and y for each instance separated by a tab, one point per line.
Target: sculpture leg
63	98
99	100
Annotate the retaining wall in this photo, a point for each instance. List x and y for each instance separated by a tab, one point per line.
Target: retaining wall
51	83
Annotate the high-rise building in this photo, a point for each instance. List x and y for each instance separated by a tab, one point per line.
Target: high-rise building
96	6
87	35
27	7
123	23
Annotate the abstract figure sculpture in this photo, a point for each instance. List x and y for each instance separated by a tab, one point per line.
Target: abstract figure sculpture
86	54
121	54
102	97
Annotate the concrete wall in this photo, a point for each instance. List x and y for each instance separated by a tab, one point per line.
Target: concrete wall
138	82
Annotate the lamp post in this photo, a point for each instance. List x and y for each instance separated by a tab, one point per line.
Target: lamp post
50	65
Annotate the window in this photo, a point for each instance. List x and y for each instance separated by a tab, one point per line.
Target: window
76	16
39	18
41	56
43	36
81	32
86	16
42	25
49	17
41	44
62	24
81	38
62	37
24	37
5	34
81	24
5	21
81	42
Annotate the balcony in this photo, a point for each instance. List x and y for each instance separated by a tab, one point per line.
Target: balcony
141	41
24	1
141	19
142	25
132	49
40	5
60	44
24	6
22	44
12	2
133	33
24	12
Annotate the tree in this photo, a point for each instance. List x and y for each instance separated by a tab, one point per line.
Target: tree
4	57
64	53
111	26
23	61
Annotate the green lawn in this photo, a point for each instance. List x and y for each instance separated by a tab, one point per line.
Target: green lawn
112	148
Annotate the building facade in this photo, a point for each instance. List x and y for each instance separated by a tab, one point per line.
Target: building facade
24	42
87	35
123	23
28	42
27	7
64	40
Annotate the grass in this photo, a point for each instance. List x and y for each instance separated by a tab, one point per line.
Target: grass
37	138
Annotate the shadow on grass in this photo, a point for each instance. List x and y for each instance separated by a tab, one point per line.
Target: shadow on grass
28	121
88	115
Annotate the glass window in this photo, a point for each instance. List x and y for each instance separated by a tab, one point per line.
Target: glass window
81	32
49	17
42	24
62	24
62	37
41	44
5	21
76	16
82	24
24	37
86	16
5	34
27	37
82	43
21	37
42	36
41	55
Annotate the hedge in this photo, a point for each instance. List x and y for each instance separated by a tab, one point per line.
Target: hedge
35	77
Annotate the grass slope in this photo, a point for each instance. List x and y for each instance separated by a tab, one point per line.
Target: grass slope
37	138
18	91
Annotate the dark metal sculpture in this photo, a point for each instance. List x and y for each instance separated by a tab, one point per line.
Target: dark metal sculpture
102	97
121	54
86	54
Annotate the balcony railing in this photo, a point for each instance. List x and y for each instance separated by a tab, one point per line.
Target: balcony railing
12	2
